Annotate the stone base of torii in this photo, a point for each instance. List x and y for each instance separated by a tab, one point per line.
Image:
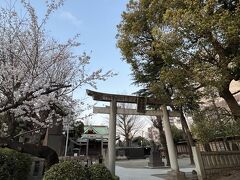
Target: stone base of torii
141	105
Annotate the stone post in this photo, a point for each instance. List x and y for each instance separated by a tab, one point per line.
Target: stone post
198	163
87	147
102	145
66	144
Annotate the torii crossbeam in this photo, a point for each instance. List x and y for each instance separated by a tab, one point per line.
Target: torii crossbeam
141	110
106	110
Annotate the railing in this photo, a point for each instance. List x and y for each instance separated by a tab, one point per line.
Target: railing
209	164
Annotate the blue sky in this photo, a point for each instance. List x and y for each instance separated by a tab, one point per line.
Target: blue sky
95	21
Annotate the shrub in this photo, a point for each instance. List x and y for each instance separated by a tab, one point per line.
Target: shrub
14	165
99	172
66	170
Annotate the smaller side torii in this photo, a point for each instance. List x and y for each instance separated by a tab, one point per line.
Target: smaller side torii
141	110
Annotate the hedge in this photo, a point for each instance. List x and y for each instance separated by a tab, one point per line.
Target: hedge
14	165
70	169
99	172
66	170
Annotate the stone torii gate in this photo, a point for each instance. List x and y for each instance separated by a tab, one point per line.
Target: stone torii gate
141	110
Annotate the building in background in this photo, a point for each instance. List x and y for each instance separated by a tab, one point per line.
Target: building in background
94	140
55	139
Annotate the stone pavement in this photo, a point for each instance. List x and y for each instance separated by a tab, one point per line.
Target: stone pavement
138	170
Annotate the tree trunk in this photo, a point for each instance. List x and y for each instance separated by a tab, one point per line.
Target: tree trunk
231	102
190	153
163	139
128	142
40	151
207	147
188	146
186	128
188	134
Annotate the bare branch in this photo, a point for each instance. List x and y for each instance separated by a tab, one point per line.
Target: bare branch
27	132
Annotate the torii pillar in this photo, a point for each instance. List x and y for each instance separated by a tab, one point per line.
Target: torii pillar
112	136
141	102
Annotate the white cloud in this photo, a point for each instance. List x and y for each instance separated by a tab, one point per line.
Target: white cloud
68	16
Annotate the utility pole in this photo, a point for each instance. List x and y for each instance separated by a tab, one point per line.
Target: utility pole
66	145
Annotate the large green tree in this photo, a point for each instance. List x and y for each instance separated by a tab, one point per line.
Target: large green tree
145	49
139	41
184	48
208	38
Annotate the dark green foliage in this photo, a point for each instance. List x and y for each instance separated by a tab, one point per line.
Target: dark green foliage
78	129
143	46
66	170
73	170
140	141
211	123
180	49
14	165
177	134
99	172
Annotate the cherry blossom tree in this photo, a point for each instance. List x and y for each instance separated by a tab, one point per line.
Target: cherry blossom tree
37	75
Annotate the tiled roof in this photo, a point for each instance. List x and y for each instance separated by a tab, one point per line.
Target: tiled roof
102	130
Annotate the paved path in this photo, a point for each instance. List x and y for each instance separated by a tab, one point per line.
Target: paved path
137	174
138	170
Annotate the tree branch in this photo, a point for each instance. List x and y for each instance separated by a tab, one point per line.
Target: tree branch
20	134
